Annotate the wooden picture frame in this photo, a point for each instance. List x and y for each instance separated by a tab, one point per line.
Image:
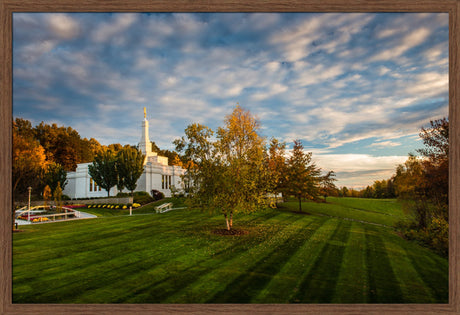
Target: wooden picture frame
8	7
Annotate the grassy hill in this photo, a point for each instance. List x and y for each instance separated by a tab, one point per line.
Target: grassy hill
327	256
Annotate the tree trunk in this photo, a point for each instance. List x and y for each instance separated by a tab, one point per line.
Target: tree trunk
231	220
226	221
300	203
16	184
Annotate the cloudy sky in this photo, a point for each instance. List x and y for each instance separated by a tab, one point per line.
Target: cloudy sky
355	88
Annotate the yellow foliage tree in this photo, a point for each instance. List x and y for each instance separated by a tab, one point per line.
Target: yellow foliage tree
227	175
46	195
29	163
58	197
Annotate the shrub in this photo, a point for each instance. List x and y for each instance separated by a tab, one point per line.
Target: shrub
157	195
435	236
439	235
141	197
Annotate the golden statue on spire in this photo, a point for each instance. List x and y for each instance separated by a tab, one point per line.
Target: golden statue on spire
145	113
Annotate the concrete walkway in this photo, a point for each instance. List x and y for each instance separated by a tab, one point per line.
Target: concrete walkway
84	215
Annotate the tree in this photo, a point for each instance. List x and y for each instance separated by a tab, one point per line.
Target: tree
55	174
425	180
368	192
410	185
423	184
103	170
226	175
241	153
380	189
302	174
57	197
47	195
29	161
436	141
129	166
345	192
63	145
177	161
327	186
276	166
436	164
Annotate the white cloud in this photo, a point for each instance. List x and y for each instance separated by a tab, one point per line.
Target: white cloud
30	53
429	84
411	40
271	91
315	74
385	144
107	30
383	70
358	170
388	32
143	62
63	26
262	21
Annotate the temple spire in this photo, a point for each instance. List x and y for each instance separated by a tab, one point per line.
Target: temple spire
144	145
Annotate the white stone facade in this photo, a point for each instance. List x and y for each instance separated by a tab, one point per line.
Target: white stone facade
157	175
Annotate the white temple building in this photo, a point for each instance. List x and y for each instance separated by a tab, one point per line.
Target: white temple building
157	175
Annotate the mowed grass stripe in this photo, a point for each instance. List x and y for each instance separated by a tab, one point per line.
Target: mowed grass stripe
180	269
384	206
433	270
319	284
224	272
412	286
286	283
249	284
352	285
383	285
341	211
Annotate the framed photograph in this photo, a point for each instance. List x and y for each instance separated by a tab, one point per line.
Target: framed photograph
229	157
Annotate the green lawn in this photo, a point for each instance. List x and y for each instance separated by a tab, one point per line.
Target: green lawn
327	256
379	211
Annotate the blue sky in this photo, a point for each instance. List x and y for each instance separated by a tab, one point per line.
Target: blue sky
355	88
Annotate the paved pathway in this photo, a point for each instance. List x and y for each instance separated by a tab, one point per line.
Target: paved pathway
84	215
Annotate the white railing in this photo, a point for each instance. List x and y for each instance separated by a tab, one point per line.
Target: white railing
33	210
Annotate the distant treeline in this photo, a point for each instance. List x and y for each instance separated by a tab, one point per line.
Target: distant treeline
381	189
